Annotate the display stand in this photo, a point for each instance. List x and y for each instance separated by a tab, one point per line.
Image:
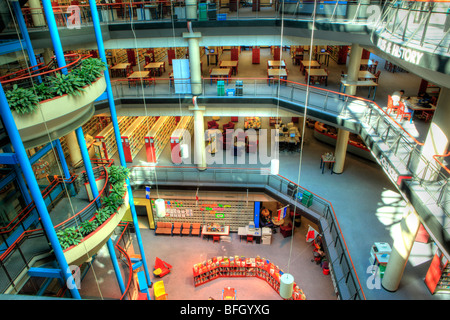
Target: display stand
157	138
133	138
176	139
234	54
224	267
107	138
170	55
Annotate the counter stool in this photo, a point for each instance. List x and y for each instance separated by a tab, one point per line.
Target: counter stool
216	238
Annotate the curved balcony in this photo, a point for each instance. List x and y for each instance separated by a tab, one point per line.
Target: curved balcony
56	116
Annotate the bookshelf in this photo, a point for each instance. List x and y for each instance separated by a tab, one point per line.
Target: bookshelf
240	266
133	137
106	136
176	139
158	136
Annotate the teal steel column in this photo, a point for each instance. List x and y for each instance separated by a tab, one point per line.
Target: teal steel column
112	109
28	173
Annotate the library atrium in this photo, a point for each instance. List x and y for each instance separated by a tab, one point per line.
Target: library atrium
225	150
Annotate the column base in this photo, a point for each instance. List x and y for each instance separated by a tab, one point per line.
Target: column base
387	289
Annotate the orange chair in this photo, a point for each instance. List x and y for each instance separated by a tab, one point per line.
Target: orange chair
402	112
176	229
390	105
161	268
196	229
186	229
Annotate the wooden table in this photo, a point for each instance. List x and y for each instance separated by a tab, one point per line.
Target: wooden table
120	69
297	57
206	233
366	83
230	64
220	73
308	64
155	67
325	55
364	75
276	64
316	73
324	160
276	73
413	104
138	75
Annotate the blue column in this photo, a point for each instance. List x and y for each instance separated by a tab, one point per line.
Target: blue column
117	271
87	161
54	35
19	178
62	158
28	173
112	109
24	32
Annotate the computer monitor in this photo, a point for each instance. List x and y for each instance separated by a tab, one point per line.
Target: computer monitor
322	50
292	135
211	51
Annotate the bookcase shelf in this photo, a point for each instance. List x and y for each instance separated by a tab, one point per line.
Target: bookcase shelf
106	136
239	266
158	136
133	137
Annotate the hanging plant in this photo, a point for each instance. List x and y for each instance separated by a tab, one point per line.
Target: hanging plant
22	100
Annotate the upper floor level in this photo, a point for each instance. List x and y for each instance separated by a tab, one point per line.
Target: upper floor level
411	34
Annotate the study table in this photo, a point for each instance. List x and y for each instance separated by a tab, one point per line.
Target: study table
276	73
208	58
304	64
220	73
366	63
120	69
276	64
413	103
324	159
230	64
325	56
298	57
138	75
316	75
155	68
365	83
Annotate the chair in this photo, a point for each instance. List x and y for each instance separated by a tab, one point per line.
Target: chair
213	124
377	75
229	125
402	112
186	229
176	229
216	238
286	231
249	239
390	105
163	228
196	229
159	290
161	268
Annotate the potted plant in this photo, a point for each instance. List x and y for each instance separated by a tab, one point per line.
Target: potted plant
21	100
69	237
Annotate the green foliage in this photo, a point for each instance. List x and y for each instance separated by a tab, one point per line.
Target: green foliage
71	84
43	92
88	226
69	237
22	100
102	215
117	174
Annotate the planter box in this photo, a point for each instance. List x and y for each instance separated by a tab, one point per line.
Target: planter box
60	115
91	244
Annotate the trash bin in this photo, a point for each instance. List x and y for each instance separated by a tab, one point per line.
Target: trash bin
307	199
220	88
231	92
202	12
239	88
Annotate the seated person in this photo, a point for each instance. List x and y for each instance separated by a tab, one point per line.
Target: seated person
265	218
397	96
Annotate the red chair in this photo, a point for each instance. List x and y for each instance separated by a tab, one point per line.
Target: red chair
161	268
286	231
390	105
213	124
249	239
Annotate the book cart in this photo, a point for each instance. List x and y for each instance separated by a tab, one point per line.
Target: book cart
222	267
133	138
107	138
186	124
158	136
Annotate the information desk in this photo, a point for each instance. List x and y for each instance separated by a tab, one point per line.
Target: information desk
209	234
225	267
256	233
366	83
